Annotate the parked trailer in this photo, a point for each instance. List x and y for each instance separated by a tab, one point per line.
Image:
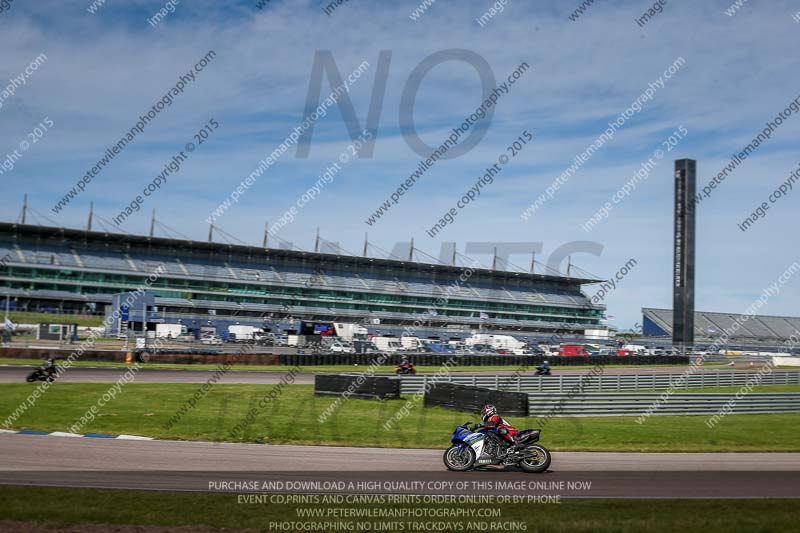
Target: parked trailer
245	333
411	343
171	331
503	342
350	332
387	344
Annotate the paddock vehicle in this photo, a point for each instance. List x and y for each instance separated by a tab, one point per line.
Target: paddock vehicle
502	344
475	446
341	347
211	339
572	350
170	331
388	344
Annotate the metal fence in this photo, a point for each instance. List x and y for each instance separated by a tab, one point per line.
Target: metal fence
605	383
622	404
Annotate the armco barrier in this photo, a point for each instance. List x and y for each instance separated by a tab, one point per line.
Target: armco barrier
363	386
464	398
630	404
606	383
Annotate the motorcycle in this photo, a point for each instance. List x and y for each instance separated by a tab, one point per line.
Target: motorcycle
41	375
475	446
405	368
542	371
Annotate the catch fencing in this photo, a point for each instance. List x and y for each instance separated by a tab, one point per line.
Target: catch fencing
605	383
622	404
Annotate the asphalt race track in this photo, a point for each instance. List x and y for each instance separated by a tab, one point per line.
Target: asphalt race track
203	466
199	466
16	374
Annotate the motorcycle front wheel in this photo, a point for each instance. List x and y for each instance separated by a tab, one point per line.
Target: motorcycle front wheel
459	458
31	377
538	460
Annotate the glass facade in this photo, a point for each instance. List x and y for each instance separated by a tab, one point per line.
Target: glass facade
72	270
198	291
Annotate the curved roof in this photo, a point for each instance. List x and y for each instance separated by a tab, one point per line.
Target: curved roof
128	242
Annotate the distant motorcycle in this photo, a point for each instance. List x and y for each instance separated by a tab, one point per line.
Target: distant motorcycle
404	369
41	374
475	445
543	371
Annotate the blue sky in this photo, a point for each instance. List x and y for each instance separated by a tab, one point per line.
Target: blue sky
105	69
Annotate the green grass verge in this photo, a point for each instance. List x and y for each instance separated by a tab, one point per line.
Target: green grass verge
293	418
20	317
68	507
313	369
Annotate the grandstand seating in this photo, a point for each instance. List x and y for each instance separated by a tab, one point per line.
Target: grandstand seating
711	326
390	287
374	283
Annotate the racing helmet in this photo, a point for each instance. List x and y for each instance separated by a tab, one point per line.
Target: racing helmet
488	410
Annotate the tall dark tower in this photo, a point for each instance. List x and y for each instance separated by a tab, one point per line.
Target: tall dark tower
683	270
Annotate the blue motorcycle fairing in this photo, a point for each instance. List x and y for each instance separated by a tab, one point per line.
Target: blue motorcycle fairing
462	435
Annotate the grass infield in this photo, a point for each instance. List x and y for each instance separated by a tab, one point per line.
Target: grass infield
22	317
21	507
293	418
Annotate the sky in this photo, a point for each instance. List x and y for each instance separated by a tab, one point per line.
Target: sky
104	64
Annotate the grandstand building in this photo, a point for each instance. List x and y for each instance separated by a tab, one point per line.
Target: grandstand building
65	270
709	327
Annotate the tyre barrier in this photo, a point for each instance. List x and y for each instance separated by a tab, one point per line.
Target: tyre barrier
266	356
361	386
465	398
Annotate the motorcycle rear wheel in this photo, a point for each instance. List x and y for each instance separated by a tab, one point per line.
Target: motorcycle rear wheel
459	458
538	463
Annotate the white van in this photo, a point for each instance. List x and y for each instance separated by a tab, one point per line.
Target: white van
341	347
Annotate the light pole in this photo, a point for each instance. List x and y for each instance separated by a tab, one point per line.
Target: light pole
7	330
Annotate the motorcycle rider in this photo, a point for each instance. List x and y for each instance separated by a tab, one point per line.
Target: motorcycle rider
405	364
544	368
493	420
49	366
